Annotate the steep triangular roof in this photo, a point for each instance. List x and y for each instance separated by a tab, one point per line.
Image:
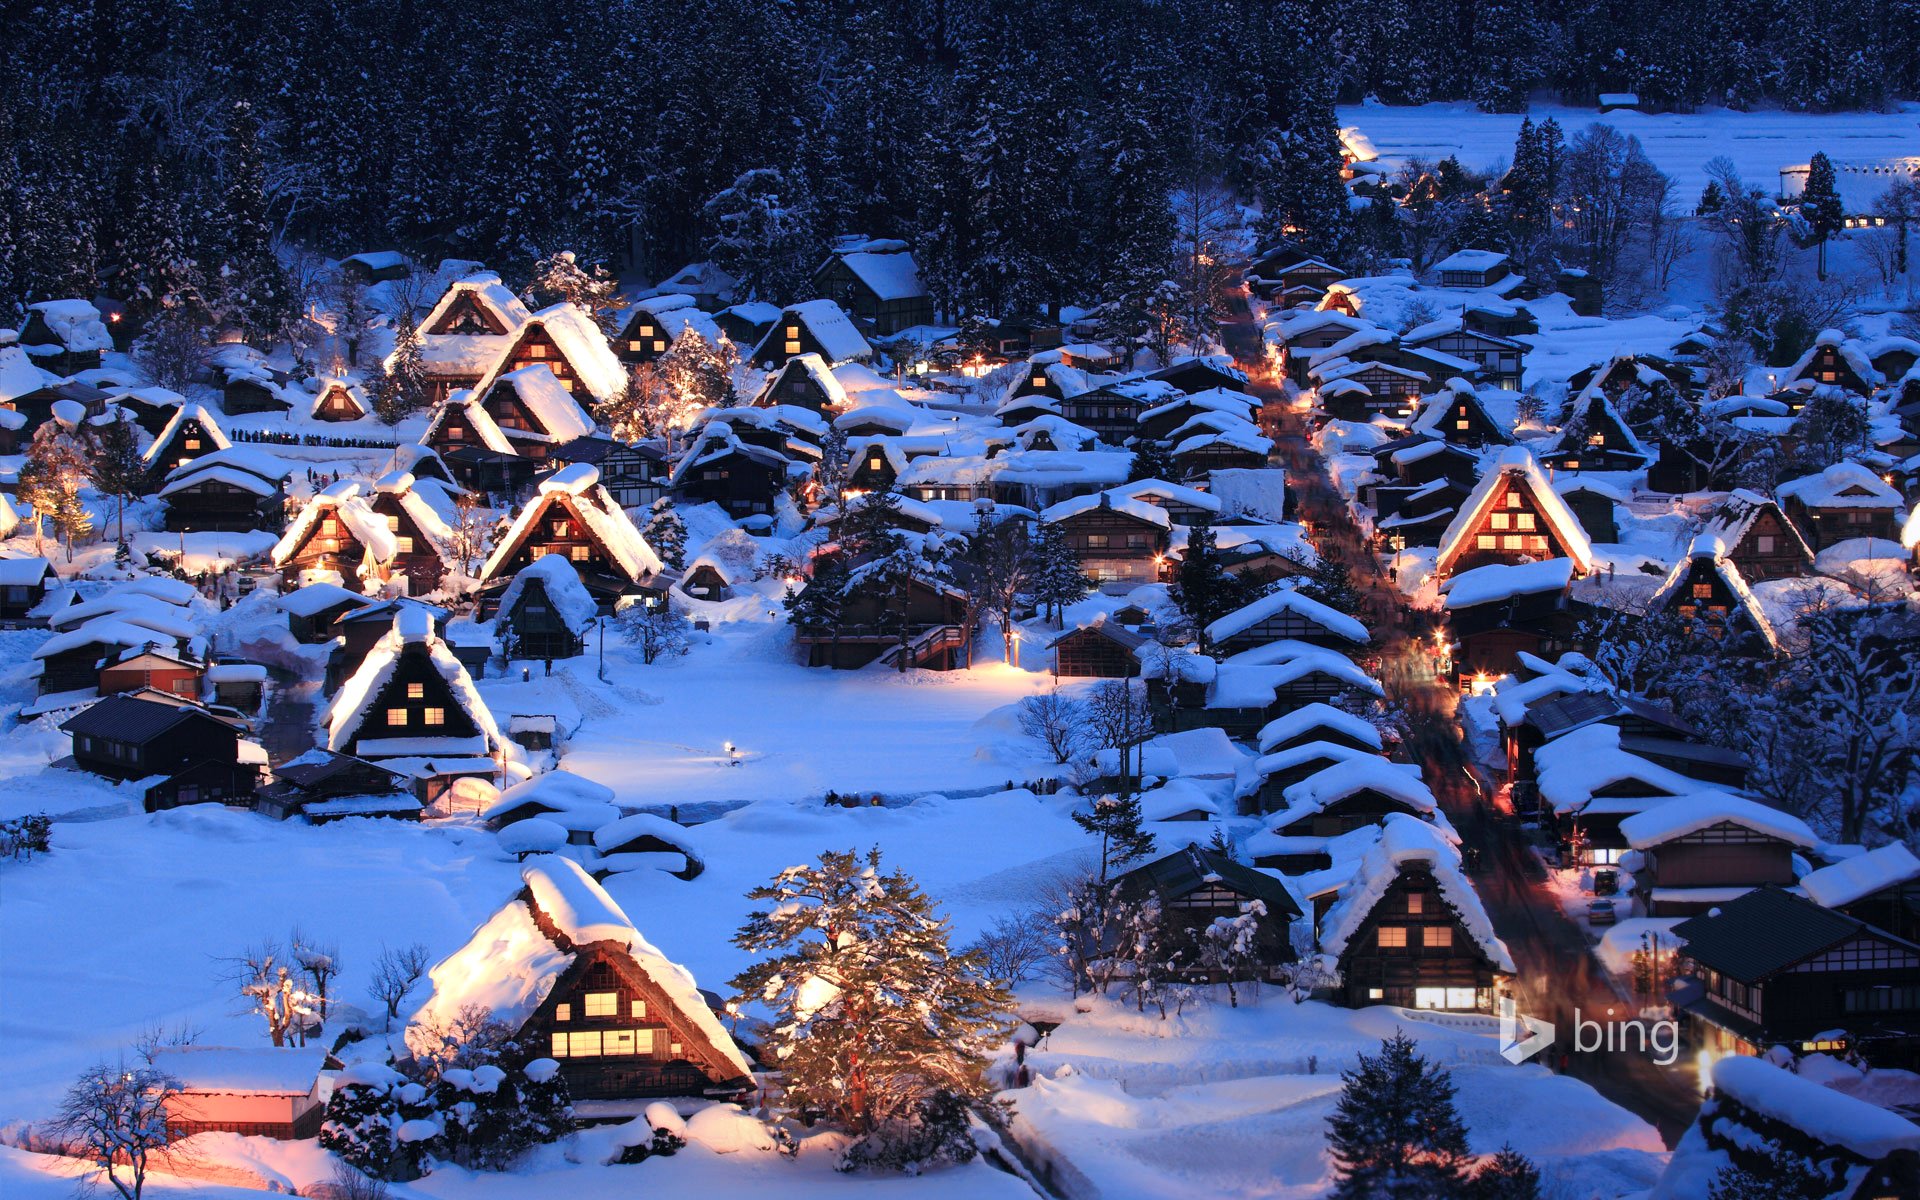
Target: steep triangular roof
577	487
1516	468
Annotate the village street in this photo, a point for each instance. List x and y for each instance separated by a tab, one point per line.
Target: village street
1558	975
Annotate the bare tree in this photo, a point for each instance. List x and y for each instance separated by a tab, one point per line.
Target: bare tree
118	1116
1117	716
999	557
267	981
320	963
1882	250
1015	947
396	973
173	350
1052	720
154	1039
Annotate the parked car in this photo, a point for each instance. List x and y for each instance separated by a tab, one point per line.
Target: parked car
1600	912
1606	883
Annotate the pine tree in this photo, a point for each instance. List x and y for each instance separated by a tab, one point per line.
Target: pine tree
1304	201
362	1118
764	232
667	533
1151	460
1202	587
1056	574
1138	238
407	366
253	288
560	277
1394	1132
820	605
874	1017
115	468
1821	208
1331	583
1712	199
1116	821
1508	1175
1780	1175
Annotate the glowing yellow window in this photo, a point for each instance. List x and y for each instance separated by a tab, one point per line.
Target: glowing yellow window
1500	521
1512	541
1485	541
1392	935
580	553
601	1004
1523	521
436	716
396	716
563	1012
1514	500
639	1010
1437	935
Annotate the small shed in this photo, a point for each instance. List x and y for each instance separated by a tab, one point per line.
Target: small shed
254	1091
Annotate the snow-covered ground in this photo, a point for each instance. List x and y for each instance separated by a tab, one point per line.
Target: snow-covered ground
1680	144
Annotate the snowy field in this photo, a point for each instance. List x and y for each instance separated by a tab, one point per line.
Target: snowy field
1680	144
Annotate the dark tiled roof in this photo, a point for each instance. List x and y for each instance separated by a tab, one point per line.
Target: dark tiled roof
1185	871
125	719
1765	931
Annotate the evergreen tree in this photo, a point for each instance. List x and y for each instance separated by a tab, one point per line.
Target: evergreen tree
1780	1175
1151	460
764	232
1820	209
1394	1133
1304	201
875	1020
406	366
51	481
667	533
560	277
1331	583
1057	578
1202	587
115	468
1508	1175
1712	199
1138	238
363	1119
253	288
820	606
1116	821
154	268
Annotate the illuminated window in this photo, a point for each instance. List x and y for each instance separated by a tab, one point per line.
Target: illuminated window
601	1004
659	346
1596	439
646	331
1537	543
563	1012
583	1045
1486	541
639	1010
1703	591
329	527
403	545
1513	500
1499	521
1376	993
193	443
1392	935
675	1049
1415	902
416	691
1463	424
1512	541
636	347
396	716
455	433
1523	521
1763	543
436	716
536	351
580	553
619	1041
1096	541
393	524
1437	936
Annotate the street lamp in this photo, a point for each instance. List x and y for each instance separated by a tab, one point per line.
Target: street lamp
603	647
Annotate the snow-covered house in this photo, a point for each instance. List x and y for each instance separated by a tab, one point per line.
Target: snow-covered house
1513	515
467	331
804	381
1500	611
1100	649
1472	269
545	611
411	704
1761	1113
1880	887
336	533
1770	968
254	1091
1843	502
1243	697
564	340
639	841
1757	537
24	580
1596	438
1319	722
533	409
1285	615
417	512
1834	360
1707	588
1456	415
1118	541
1498	357
705	283
1408	928
239	489
1360	790
656	322
180	751
563	967
1194	887
65	337
1698	851
571	515
337	400
877	281
1262	782
190	433
816	327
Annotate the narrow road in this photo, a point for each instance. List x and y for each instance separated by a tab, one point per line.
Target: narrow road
1558	977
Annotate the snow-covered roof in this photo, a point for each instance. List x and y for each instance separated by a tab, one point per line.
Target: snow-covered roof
412	626
1862	875
611	837
548	402
1709	549
243	1070
182	414
556	790
1240	685
24	570
1842	485
1516	467
1501	581
832	328
1366	772
1406	840
1571	768
509	966
195	474
1297	603
318	597
570	599
1317	715
468	404
352	391
1689	814
76	323
607	521
891	276
344	503
1827	1116
1470	260
1851	351
1138	509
